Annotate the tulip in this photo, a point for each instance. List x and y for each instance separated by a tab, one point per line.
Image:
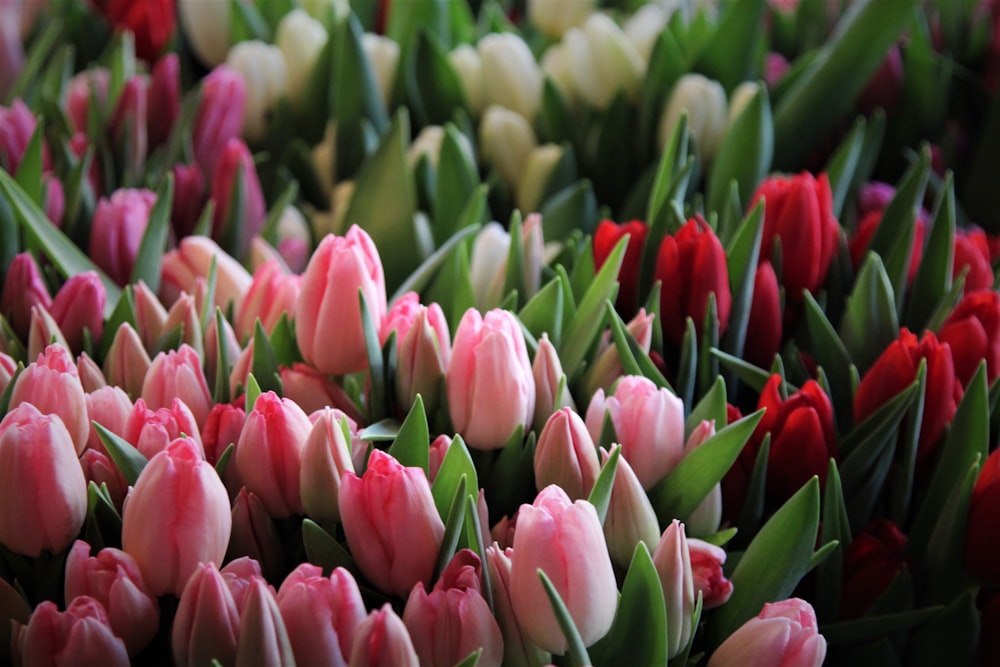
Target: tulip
265	74
381	640
110	407
17	125
488	265
220	115
897	368
150	315
799	213
555	17
393	555
630	518
563	539
189	198
506	140
191	261
55	199
531	185
43	333
982	527
118	228
178	374
101	470
607	366
272	294
81	635
643	28
222	428
566	456
548	374
972	331
438	450
11	49
255	535
151	431
128	124
868	226
706	573
691	265
164	99
489	352
176	517
423	346
515	81
326	456
127	363
871	562
972	251
321	613
151	23
704	101
207	623
784	633
468	67
206	29
235	162
269	453
705	518
91	376
112	577
301	39
765	322
313	390
52	385
328	324
23	288
8	367
447	626
648	422
263	636
427	146
79	307
42	489
518	650
557	67
605	238
603	62
672	560
383	56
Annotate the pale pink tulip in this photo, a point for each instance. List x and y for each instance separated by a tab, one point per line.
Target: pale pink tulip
672	560
321	614
566	456
423	346
631	518
326	456
272	293
193	260
52	385
178	375
127	363
548	374
783	634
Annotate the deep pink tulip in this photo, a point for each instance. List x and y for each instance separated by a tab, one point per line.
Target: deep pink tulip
255	535
706	569
23	288
395	554
52	384
178	375
423	345
81	635
164	99
564	539
381	640
88	84
42	489
321	614
17	125
783	634
235	160
118	228
566	456
113	578
100	469
176	517
328	315
219	117
490	352
207	623
222	428
272	293
269	453
79	306
128	124
150	431
447	626
189	198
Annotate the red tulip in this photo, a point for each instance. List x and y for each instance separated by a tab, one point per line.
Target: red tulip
983	528
859	243
764	328
972	250
80	635
871	562
897	368
151	22
606	236
321	614
973	332
690	266
164	99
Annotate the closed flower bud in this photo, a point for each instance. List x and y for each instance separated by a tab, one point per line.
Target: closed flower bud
189	198
113	578
648	422
52	385
765	318
644	27
784	633
704	100
23	288
506	140
541	162
127	363
164	99
607	367
672	560
557	67
272	293
118	228
518	649
79	306
705	518
206	29
235	162
11	49
207	623
871	562
972	331
81	635
44	332
91	376
326	456
423	346
185	316
110	407
265	74
328	324
313	390
178	375
706	571
176	517
128	124
447	626
383	55
222	428
382	640
603	62
554	17
631	518
301	39
17	125
972	254
42	489
395	554
489	352
468	66
515	80
566	456
983	526
263	636
8	367
150	315
193	260
321	614
150	431
220	114
101	470
606	237
548	374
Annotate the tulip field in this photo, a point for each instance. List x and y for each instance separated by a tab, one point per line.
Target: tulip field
507	333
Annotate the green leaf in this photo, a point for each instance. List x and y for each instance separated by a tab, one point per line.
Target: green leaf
124	311
711	407
950	637
357	100
377	408
933	280
869	325
841	168
870	627
941	570
433	88
41	48
727	57
265	364
687	367
456	466
836	528
543	313
220	390
572	208
741	260
638	635
753	376
412	444
456	184
600	495
129	460
252	393
578	656
29	171
246	23
634	360
452	527
269	232
149	258
220	465
745	153
423	274
753	504
324	551
831	355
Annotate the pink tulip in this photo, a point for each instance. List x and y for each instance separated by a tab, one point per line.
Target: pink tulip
91	375
191	261
207	623
211	342
463	572
326	456
566	456
705	518
423	346
272	293
235	160
176	517
11	48
328	315
706	569
189	198
23	288
255	535
548	374
185	316
314	391
607	366
110	407
127	363
100	469
90	83
783	634
517	649
438	450
112	577
630	518
263	636
269	453
447	626
43	332
81	635
321	614
118	228
8	367
42	489
79	306
55	198
17	125
150	431
128	124
164	99
672	560
178	375
381	640
52	385
222	428
395	554
149	313
563	539
239	575
490	352
219	117
649	424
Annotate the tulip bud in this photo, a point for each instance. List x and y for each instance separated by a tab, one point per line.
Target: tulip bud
648	422
672	560
630	518
518	649
704	100
269	453
164	99
314	391
235	162
91	377
542	161
43	333
301	39
113	579
101	470
128	124
548	374
263	636
606	237
765	318
515	80
79	306
566	456
557	68
740	98
423	345
871	562
564	540
326	456
602	61
18	125
506	140
972	253
706	571
176	517
328	309
489	351
272	294
447	626
118	228
110	407
80	635
220	115
397	554
381	640
607	367
150	315
42	489
178	374
151	431
23	288
206	29
554	17
468	66
127	363
11	49
383	55
222	428
982	528
643	28
193	260
784	632
189	198
265	74
185	316
321	614
239	575
52	385
207	623
705	518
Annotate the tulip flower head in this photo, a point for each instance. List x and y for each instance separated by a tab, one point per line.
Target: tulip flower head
784	633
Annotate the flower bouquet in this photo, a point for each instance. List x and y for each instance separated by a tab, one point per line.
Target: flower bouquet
499	332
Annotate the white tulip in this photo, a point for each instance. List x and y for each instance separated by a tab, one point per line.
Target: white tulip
644	27
320	9
602	61
511	77
705	103
541	161
206	28
554	17
301	38
468	66
266	77
506	139
739	99
383	54
556	65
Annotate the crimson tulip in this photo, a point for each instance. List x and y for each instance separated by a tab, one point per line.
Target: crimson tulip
606	237
23	287
871	562
219	117
235	161
764	327
151	22
118	228
972	250
983	526
972	331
